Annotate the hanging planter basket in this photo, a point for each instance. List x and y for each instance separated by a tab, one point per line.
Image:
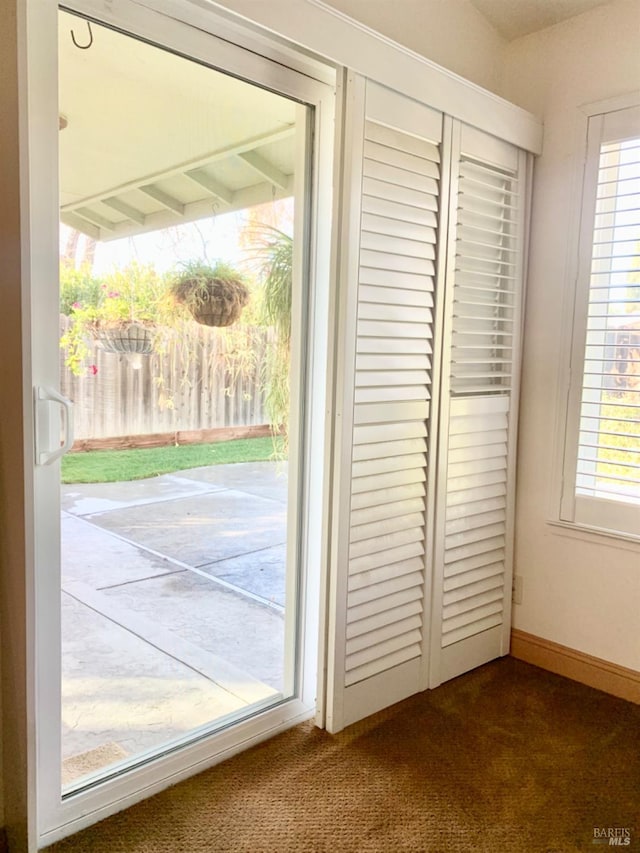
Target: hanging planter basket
133	338
212	301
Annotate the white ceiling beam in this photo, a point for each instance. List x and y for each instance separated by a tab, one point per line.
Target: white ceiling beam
193	211
211	185
190	165
96	218
163	198
125	209
264	168
80	224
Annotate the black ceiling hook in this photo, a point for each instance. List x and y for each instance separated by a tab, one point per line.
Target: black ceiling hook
83	46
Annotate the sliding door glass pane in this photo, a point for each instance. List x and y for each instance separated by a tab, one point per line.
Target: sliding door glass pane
177	215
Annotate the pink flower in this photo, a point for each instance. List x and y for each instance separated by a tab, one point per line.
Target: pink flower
112	294
93	369
76	305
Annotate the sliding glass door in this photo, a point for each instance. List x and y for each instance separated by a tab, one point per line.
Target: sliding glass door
171	470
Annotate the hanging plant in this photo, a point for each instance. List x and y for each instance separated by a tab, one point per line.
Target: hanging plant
122	313
213	294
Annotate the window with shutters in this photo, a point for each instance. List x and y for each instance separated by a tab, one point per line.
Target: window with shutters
601	483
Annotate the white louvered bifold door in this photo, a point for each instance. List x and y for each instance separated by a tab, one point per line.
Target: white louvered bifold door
381	575
481	339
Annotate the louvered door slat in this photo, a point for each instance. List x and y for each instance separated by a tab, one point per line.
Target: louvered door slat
480	577
460	512
374	308
475	534
387	278
381	621
374	652
381	663
399	176
464	523
381	512
373	224
405	391
465	602
411	355
421	216
381	590
486	586
381	449
385	464
396	139
397	575
472	625
412	163
379	413
397	296
381	606
375	545
387	497
383	526
368	639
421	200
392	329
396	245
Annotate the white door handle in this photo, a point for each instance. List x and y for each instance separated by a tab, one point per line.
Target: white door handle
46	431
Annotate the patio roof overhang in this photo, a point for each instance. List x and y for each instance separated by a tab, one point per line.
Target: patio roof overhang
152	139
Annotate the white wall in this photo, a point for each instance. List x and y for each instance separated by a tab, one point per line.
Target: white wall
581	592
451	33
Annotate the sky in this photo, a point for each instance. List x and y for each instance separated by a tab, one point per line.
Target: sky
215	238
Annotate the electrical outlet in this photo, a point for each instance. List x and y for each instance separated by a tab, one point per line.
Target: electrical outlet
516	596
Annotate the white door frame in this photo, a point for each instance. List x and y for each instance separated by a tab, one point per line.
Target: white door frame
56	817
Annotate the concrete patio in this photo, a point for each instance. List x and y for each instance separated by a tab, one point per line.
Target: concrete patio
173	594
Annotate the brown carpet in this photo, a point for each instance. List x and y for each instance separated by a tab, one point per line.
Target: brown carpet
507	758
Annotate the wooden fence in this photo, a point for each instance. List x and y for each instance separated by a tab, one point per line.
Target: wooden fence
197	379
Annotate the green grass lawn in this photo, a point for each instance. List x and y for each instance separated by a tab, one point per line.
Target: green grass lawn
112	466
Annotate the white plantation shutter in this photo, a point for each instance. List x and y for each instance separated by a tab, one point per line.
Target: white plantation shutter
382	571
431	261
602	454
472	582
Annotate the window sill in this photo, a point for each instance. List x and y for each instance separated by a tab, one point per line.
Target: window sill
603	536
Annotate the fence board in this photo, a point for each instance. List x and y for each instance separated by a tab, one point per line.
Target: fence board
185	387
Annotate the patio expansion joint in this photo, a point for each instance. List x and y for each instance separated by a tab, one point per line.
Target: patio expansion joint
141	580
240	554
197	492
230	587
238	683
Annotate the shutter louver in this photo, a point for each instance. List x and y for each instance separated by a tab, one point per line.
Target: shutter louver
608	464
385	607
485	280
474	553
